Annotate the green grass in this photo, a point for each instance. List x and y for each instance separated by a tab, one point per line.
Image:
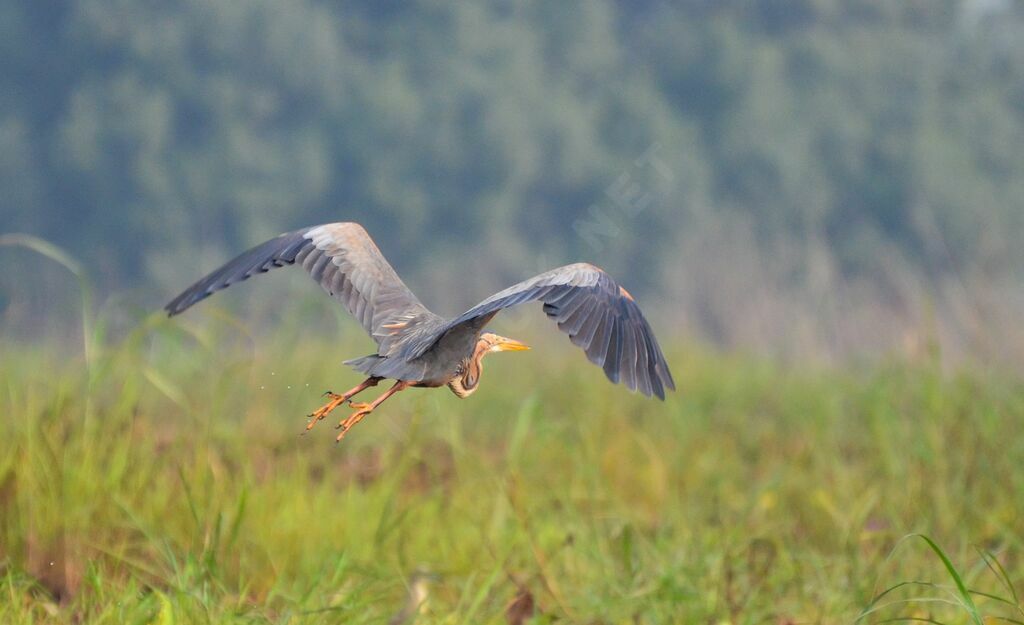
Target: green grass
165	482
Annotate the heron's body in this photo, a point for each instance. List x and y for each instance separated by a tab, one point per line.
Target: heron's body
419	348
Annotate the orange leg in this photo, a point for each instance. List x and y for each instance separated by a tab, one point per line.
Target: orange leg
337	400
364	409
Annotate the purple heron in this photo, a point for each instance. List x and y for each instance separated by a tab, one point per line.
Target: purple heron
417	348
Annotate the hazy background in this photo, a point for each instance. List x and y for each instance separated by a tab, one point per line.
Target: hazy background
810	178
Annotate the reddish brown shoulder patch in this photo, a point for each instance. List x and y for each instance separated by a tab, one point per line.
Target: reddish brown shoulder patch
624	293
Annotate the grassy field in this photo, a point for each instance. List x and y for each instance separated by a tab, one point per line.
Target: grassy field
163	480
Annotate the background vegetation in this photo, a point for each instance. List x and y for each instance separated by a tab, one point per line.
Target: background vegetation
165	481
812	178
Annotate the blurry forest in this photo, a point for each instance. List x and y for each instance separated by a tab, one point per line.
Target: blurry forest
810	178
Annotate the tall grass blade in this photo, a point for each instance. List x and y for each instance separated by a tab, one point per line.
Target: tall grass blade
64	259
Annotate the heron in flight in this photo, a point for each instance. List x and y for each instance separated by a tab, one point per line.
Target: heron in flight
418	348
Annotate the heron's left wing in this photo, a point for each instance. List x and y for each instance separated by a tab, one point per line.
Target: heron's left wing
348	265
599	316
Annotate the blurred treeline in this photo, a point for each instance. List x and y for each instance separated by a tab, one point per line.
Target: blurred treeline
809	177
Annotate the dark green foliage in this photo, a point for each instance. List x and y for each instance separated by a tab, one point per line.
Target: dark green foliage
811	166
130	131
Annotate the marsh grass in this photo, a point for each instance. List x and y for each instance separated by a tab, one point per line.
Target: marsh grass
167	483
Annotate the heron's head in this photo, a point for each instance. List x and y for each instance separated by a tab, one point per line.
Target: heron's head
489	343
467	376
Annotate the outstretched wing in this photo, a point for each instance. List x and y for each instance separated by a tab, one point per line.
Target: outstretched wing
345	261
599	316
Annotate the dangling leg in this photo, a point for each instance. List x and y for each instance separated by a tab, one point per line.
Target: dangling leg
337	400
364	409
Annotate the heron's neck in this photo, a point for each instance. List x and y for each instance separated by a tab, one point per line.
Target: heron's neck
466	384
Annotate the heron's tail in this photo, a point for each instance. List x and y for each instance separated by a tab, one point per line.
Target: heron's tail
366	364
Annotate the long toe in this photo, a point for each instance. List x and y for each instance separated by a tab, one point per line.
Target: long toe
345	427
322	412
352	419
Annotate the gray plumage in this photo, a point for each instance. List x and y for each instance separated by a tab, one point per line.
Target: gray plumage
415	345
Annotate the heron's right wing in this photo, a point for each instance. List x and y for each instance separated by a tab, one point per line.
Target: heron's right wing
344	260
599	316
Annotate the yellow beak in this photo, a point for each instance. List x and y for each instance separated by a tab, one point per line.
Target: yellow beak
508	345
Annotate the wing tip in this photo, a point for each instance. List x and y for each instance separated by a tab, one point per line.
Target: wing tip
173	308
174	311
666	376
656	391
183	302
